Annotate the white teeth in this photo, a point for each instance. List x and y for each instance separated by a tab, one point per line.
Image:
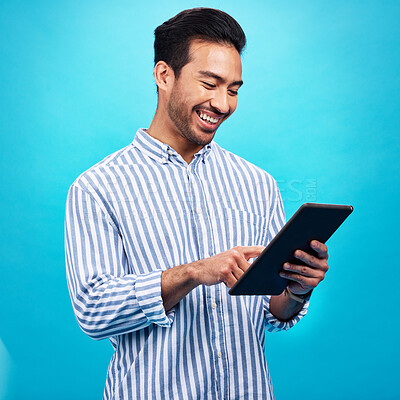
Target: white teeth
208	118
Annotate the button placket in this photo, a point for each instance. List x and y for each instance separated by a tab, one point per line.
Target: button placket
200	216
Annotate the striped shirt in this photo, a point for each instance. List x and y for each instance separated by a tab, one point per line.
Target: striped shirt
142	210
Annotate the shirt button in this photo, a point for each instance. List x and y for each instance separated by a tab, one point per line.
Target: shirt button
163	160
219	354
170	152
214	306
199	210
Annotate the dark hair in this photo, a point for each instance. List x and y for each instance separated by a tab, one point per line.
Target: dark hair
173	37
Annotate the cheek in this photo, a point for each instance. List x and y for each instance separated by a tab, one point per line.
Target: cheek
233	104
202	94
193	95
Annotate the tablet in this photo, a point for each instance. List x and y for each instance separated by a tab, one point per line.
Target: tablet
312	221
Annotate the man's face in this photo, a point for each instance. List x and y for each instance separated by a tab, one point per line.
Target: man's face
205	94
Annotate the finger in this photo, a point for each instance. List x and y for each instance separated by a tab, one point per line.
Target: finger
242	264
230	280
233	270
237	272
303	270
320	248
251	251
304	281
312	261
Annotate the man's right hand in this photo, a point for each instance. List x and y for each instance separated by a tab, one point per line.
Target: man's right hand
226	267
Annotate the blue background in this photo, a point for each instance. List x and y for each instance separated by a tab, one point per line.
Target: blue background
319	110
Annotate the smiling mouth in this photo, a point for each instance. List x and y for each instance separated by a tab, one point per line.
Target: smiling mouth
208	122
207	118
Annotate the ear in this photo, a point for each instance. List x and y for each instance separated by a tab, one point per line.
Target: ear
164	76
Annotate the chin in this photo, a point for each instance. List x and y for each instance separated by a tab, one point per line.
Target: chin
207	136
203	141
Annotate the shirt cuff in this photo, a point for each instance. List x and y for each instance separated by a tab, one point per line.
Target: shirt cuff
274	324
148	295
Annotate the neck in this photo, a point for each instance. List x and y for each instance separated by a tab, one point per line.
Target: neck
163	129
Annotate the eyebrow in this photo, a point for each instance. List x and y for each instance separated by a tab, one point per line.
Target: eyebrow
210	74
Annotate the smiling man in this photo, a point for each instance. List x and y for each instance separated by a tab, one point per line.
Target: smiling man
158	232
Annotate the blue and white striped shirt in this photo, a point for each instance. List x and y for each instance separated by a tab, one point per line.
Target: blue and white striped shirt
142	210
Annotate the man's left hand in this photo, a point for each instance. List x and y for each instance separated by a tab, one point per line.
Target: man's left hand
306	277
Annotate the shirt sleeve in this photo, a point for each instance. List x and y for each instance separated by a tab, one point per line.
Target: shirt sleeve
276	221
106	298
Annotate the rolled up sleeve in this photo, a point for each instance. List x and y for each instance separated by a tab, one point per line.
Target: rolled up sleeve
148	293
273	324
107	299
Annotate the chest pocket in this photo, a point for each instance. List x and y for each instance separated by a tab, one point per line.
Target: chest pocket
232	227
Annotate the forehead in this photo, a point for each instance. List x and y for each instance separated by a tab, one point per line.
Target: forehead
221	59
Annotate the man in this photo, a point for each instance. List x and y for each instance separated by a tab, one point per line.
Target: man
157	232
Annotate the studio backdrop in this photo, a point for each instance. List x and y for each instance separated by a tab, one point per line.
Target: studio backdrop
319	110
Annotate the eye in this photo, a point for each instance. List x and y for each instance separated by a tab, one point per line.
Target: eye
208	85
233	92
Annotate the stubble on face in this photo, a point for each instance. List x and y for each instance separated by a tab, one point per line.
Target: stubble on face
182	119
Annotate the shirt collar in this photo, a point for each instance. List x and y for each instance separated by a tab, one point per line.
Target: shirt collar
162	152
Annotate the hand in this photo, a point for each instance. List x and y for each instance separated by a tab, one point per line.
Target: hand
226	267
306	277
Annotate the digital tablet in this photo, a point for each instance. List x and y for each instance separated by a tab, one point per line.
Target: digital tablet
312	221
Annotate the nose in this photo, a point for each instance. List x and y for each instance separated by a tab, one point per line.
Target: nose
220	101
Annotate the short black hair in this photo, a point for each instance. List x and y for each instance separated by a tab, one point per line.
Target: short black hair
173	37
